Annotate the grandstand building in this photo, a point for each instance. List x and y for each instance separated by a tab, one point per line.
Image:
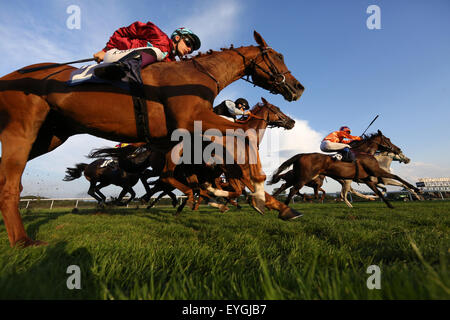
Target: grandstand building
440	187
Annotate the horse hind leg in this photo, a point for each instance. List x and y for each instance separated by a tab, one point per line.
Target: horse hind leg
92	192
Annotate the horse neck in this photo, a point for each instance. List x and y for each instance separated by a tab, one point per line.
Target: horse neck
228	66
257	124
369	146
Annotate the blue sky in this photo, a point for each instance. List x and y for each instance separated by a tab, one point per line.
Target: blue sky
351	73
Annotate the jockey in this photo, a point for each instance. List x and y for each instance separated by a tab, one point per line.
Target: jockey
127	41
229	109
339	141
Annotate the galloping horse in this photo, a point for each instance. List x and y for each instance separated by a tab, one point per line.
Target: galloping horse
316	184
307	166
38	111
384	160
105	175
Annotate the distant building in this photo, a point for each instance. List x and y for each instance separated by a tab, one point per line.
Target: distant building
434	184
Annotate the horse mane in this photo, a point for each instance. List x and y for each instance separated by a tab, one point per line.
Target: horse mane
256	107
211	52
111	152
364	139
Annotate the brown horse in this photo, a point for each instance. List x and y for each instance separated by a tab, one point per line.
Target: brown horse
307	166
101	175
316	184
38	111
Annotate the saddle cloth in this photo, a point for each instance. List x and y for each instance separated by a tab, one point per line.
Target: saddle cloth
110	162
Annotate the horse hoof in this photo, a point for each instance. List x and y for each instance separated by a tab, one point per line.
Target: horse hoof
258	205
224	209
289	214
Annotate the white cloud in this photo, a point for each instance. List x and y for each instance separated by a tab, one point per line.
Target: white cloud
215	23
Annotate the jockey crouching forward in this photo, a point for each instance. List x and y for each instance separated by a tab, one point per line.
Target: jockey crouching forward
338	141
230	110
131	48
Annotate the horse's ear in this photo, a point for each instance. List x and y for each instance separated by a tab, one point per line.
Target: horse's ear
379	132
259	40
264	100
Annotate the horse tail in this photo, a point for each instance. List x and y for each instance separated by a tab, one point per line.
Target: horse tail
276	177
111	152
75	173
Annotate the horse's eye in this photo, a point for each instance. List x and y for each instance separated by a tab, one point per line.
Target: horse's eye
280	56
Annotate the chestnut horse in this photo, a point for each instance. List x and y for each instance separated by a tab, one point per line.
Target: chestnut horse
38	111
307	166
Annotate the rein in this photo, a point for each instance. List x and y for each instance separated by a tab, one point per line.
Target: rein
251	115
202	69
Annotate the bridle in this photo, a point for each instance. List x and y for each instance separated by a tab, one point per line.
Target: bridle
278	79
388	146
266	120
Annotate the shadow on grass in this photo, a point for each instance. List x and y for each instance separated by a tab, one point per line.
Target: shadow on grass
46	278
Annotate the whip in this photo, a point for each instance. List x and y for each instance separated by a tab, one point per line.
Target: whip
53	65
371	124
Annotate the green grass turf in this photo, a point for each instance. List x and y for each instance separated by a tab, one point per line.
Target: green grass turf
205	254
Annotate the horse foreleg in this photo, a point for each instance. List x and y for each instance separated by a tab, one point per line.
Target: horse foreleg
373	186
283	187
295	188
284	212
15	152
323	194
132	194
181	206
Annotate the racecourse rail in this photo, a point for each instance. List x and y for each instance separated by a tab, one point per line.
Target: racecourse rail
178	197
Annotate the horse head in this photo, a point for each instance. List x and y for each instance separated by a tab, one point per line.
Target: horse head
401	158
385	144
269	71
275	117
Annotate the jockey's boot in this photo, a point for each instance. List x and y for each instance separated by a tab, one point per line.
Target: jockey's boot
112	72
348	155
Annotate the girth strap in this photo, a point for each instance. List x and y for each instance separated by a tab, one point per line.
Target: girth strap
140	111
356	162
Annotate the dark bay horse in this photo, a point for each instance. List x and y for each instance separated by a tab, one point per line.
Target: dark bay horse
308	166
101	175
289	178
384	159
38	111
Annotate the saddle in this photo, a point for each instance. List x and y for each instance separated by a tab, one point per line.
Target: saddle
130	81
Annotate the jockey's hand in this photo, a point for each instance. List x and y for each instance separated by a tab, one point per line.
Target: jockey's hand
247	113
99	56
